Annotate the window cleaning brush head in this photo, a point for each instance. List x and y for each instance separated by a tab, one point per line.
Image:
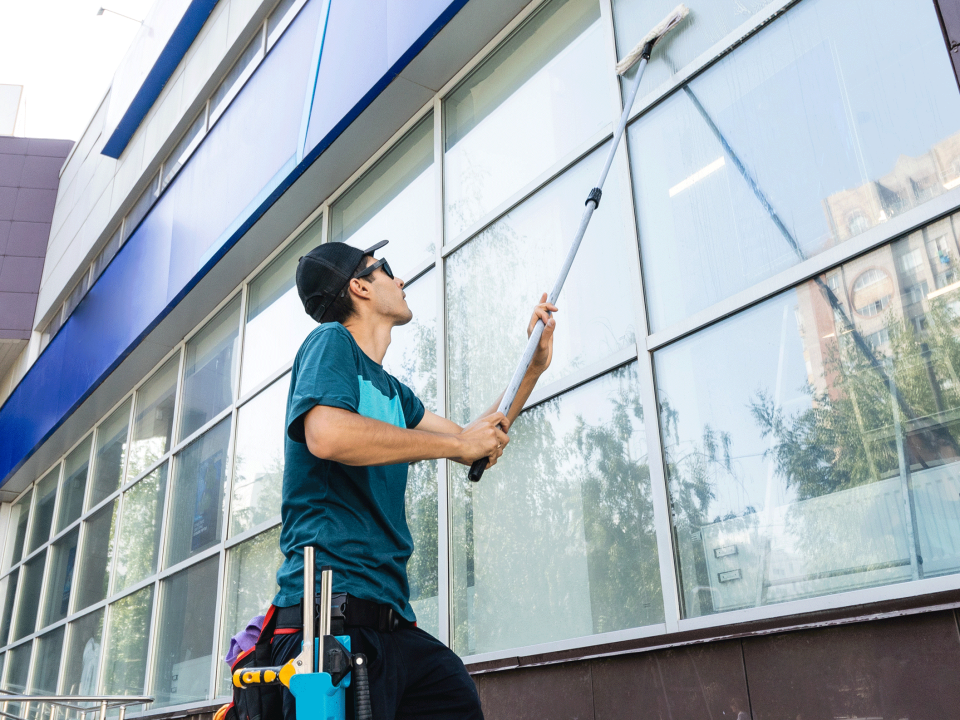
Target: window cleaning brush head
653	37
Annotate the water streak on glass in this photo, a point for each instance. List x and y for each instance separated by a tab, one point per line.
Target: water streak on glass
527	248
808	135
564	520
537	98
412	359
821	454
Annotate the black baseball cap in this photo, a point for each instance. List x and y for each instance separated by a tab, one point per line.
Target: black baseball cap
324	273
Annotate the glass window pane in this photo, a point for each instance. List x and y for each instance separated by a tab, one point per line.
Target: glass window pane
543	93
74	484
128	629
865	135
17	532
527	248
276	321
184	149
153	418
26	620
394	201
565	520
138	543
821	456
708	23
210	376
237	75
47	664
258	472
18	668
63	563
104	257
198	491
43	511
110	454
82	661
139	211
9	598
412	358
185	635
95	556
250	585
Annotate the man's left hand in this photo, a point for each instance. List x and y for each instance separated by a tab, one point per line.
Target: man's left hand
544	353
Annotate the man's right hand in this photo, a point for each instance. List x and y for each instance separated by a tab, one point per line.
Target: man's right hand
483	438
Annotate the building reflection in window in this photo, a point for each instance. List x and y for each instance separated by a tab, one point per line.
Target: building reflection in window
812	447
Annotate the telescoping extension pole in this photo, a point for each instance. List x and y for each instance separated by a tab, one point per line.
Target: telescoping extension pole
642	53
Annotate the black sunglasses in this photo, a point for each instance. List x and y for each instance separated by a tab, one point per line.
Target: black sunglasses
382	262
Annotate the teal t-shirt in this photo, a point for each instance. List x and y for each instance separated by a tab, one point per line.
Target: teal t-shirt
354	516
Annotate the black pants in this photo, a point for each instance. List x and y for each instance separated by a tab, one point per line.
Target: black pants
412	675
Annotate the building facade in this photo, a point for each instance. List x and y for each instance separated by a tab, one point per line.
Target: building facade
735	491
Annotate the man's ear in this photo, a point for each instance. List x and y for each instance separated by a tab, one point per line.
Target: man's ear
358	289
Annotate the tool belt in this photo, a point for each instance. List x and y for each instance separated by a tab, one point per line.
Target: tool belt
346	611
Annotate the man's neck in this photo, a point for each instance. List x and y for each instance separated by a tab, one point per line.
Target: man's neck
372	337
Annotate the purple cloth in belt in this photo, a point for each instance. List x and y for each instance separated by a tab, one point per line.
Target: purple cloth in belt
245	639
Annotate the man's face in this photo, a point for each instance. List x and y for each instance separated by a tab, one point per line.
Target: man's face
387	294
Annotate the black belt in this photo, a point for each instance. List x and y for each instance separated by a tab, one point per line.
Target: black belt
347	611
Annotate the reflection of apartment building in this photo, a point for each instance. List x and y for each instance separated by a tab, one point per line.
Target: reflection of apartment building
913	181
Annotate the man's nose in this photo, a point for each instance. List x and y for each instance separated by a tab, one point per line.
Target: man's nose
400	283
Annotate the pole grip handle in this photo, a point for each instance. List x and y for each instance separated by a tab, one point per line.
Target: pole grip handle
476	470
361	688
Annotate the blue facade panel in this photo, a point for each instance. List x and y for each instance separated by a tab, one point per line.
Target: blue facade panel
243	165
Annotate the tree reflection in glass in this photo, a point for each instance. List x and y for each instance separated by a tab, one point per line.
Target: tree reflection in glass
565	520
819	455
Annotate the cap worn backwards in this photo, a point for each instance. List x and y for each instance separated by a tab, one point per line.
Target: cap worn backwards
324	273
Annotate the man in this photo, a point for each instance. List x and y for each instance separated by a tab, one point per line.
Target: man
352	429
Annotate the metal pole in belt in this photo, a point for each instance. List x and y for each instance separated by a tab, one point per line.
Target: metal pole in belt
309	592
326	600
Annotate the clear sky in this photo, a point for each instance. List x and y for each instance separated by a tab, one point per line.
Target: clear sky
64	55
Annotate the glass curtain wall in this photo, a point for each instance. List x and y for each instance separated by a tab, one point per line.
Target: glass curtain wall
752	397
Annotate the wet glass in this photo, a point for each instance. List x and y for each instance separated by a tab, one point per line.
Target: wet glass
138	543
412	359
75	469
708	23
821	455
95	556
394	201
807	135
527	247
211	366
9	585
565	520
29	601
546	91
185	635
17	528
81	664
128	630
56	604
110	454
153	418
276	321
43	510
249	586
197	495
258	458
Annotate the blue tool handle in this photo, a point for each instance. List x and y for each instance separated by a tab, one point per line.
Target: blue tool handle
361	688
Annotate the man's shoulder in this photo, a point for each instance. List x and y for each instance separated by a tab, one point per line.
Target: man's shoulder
325	338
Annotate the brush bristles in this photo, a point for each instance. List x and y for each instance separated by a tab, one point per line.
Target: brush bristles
655	35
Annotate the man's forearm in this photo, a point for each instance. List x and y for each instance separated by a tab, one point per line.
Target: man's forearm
352	439
523	393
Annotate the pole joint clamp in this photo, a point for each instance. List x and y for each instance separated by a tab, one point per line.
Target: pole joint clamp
595	196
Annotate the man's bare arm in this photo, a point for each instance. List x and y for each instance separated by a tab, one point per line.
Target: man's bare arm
352	439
